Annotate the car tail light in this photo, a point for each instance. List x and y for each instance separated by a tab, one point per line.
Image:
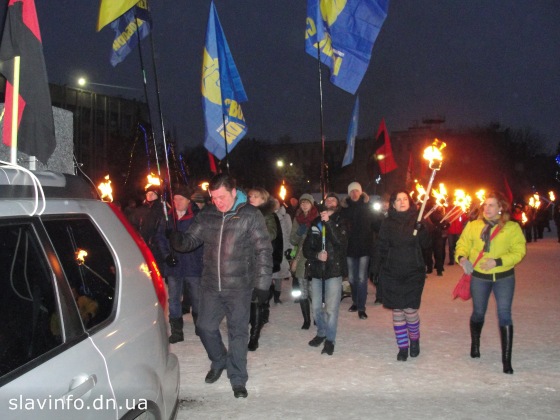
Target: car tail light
148	256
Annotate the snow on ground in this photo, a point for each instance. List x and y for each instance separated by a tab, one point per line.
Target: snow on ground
289	379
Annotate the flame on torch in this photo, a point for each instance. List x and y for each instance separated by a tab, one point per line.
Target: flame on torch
524	218
204	185
283	191
551	196
106	190
81	255
152	180
421	193
433	154
480	194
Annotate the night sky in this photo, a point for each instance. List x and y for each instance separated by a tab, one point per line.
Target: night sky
474	62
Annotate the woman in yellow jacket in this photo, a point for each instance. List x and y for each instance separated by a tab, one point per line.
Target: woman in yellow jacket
494	272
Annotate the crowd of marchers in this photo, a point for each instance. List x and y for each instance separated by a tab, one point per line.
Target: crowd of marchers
226	252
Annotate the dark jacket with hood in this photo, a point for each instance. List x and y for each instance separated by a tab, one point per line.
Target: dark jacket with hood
237	248
335	245
398	259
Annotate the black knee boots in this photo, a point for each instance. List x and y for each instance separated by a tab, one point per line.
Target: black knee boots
506	335
256	325
306	312
176	325
476	328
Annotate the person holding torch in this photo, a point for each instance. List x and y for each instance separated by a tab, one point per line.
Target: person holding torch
399	262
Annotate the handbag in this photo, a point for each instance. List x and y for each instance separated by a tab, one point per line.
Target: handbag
463	288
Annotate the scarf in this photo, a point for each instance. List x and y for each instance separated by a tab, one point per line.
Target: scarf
302	219
485	234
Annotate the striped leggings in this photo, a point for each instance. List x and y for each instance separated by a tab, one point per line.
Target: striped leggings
406	324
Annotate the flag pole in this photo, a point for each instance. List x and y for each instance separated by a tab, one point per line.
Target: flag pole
323	180
15	110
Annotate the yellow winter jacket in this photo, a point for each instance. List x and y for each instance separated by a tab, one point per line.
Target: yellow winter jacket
507	247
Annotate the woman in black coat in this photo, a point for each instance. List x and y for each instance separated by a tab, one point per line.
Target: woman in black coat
398	259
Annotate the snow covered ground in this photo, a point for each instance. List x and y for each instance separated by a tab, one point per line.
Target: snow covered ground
289	379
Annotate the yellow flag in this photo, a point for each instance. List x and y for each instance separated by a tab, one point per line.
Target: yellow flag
109	10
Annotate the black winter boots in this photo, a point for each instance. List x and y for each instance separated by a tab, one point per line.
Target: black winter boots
506	336
476	328
306	312
176	325
256	325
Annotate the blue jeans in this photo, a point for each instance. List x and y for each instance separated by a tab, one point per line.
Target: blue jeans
503	292
326	318
358	277
175	287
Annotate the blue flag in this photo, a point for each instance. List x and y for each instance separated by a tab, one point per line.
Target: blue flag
134	24
222	92
345	32
351	137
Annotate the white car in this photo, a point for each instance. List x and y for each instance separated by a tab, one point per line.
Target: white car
82	327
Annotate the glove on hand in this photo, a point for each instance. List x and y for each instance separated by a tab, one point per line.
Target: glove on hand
175	239
419	226
467	266
262	296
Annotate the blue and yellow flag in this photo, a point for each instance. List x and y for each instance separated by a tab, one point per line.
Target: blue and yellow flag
133	25
109	10
344	31
222	91
352	133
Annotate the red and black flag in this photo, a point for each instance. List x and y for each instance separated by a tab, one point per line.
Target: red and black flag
22	37
383	150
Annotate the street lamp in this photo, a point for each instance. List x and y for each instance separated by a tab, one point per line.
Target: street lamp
83	82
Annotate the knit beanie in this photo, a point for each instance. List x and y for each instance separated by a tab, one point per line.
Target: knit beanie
354	186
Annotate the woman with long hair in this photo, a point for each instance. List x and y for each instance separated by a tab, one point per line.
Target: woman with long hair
503	246
399	262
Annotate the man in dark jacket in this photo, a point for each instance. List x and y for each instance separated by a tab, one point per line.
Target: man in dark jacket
325	250
237	259
360	221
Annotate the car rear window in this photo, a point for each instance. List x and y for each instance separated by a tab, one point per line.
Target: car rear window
88	265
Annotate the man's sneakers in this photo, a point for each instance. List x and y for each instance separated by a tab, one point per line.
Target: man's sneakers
362	314
213	375
239	391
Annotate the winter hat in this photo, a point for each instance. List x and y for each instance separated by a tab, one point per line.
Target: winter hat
198	197
331	194
182	190
354	186
307	197
153	188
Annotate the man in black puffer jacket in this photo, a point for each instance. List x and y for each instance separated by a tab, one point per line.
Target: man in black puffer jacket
237	259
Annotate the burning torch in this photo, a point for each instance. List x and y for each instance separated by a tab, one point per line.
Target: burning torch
435	159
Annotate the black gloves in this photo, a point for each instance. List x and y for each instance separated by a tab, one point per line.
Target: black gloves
175	239
262	296
419	226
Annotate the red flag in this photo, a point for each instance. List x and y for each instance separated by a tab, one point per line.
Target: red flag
22	37
384	154
508	193
212	162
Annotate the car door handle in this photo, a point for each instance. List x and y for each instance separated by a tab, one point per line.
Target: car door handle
80	385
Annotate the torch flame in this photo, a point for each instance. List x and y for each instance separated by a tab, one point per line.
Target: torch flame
480	194
523	218
433	154
421	192
551	196
440	196
81	255
152	180
106	190
204	185
462	200
283	191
